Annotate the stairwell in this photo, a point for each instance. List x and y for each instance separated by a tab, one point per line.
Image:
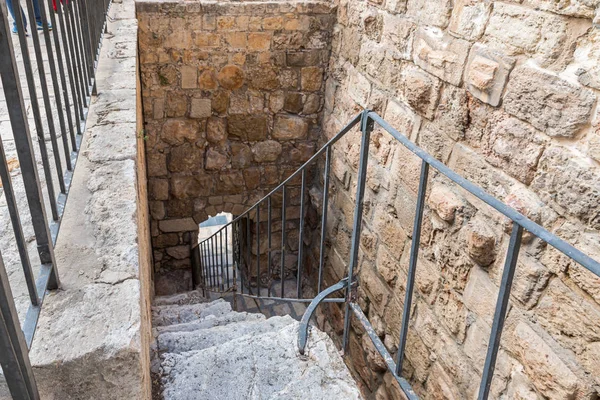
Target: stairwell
204	350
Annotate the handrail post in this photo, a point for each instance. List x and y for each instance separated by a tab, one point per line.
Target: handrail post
510	264
366	128
14	357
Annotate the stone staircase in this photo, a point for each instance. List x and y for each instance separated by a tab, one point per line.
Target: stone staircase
204	350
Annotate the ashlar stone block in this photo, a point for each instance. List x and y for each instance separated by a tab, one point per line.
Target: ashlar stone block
571	182
469	18
486	74
440	54
289	128
548	102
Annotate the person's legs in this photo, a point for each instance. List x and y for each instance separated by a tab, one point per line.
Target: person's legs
38	16
9	5
36	11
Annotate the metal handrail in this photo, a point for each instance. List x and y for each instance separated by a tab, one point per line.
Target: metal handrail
520	223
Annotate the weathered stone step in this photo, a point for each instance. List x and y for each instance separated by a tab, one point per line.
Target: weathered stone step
180	342
265	366
192	297
210	321
177	314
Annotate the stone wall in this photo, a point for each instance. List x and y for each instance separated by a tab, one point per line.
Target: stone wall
232	95
506	94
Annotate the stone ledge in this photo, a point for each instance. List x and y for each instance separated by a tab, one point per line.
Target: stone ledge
93	334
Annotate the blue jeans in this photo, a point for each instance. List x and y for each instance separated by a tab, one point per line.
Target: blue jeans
36	12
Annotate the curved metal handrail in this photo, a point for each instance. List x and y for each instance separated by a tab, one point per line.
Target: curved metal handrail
303	329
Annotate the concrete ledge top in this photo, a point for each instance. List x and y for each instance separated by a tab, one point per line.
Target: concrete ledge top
246	7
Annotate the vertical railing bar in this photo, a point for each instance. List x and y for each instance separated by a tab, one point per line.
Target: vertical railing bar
215	263
76	61
59	107
79	46
301	238
18	120
239	255
282	272
269	229
69	60
508	274
258	249
14	357
15	219
85	40
324	217
412	268
227	258
61	71
366	128
248	254
46	99
84	22
222	266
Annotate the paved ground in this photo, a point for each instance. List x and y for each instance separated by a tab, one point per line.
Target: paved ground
7	241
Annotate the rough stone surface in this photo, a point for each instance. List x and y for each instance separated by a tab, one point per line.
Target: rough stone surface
549	103
198	353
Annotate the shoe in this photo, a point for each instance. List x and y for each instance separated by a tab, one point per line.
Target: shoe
15	31
40	26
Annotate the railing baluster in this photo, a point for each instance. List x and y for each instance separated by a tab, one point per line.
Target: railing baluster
84	27
77	77
248	254
61	71
13	348
13	210
366	128
508	274
283	229
227	258
412	267
70	61
301	238
221	259
324	217
79	51
215	262
258	249
269	219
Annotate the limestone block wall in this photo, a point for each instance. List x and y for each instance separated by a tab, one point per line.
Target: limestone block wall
506	93
232	94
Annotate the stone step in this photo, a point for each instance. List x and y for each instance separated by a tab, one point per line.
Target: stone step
192	297
265	366
177	314
210	321
180	342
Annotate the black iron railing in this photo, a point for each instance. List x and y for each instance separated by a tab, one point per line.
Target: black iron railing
71	54
212	277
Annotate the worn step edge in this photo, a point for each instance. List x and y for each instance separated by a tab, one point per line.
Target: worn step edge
182	342
175	314
209	321
192	297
